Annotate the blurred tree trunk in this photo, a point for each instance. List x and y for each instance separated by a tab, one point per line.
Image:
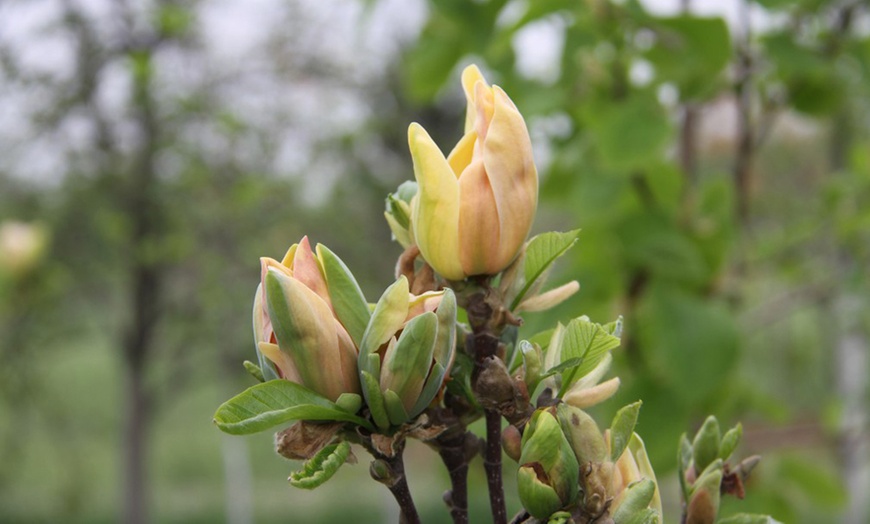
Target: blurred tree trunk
146	276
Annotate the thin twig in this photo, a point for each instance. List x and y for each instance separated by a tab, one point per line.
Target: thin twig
492	464
400	490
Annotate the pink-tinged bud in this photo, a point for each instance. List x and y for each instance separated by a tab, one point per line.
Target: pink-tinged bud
308	312
474	209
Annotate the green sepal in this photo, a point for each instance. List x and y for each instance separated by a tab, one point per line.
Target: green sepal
622	428
730	441
407	363
430	390
269	404
705	446
636	498
347	298
539	499
374	399
321	467
350	402
388	316
254	370
395	410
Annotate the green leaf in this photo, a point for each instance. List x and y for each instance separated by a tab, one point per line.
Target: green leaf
816	481
564	366
540	254
347	298
622	428
689	342
691	51
276	402
631	133
587	341
321	467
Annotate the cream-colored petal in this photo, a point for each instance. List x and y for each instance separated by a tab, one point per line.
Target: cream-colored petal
507	155
471	75
587	397
479	233
282	360
306	269
549	299
435	210
290	255
484	101
347	358
461	155
419	304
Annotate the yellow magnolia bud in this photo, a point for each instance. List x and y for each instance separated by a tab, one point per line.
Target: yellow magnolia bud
308	315
474	209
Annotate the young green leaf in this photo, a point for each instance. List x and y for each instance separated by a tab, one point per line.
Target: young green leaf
540	254
269	404
585	340
321	467
622	428
254	370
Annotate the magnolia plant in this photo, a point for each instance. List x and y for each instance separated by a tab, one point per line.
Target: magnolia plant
337	370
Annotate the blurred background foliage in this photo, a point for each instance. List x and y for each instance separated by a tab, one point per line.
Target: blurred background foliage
151	152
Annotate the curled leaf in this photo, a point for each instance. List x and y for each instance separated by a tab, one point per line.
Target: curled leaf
321	467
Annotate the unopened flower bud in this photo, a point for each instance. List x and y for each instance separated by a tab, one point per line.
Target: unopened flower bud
474	209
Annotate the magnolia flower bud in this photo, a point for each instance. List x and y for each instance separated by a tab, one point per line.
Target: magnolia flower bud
406	352
308	318
548	476
474	209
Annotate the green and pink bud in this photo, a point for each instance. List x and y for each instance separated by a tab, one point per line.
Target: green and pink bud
309	317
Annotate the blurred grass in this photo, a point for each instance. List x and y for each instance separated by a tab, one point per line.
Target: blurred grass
68	465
